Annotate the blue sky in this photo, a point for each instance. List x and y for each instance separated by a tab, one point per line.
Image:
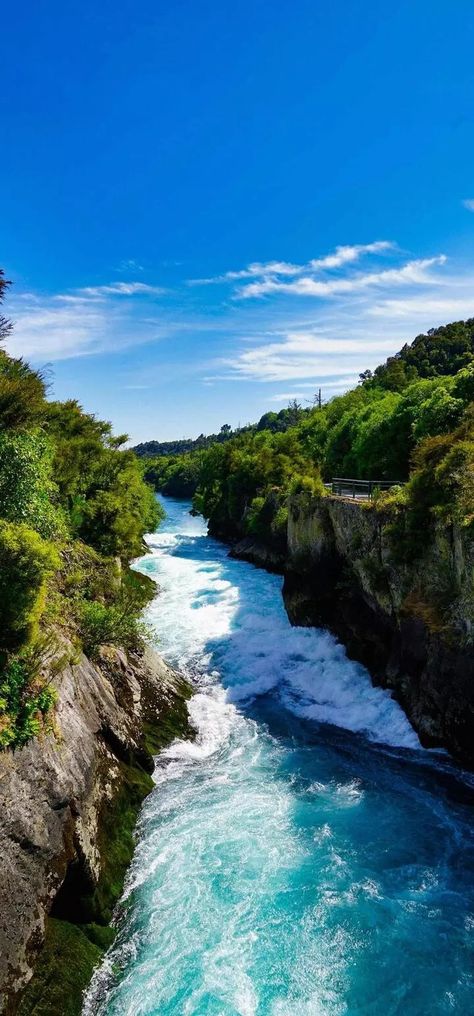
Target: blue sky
210	208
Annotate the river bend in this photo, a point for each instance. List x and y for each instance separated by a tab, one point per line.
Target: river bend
303	856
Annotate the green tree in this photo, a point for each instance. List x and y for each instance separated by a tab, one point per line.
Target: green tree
26	562
5	325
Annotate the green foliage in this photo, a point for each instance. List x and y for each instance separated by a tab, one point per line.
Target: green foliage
74	507
440	490
86	574
101	487
442	482
118	507
175	475
63	972
26	694
22	394
438	414
27	491
307	485
273	422
267	518
26	562
442	351
243	486
5	325
99	625
372	432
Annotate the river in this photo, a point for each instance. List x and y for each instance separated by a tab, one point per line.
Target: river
304	856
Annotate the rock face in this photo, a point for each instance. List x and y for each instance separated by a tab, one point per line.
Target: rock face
258	553
68	805
409	621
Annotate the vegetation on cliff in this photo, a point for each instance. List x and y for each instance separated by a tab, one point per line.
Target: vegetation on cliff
73	510
410	420
276	422
174	467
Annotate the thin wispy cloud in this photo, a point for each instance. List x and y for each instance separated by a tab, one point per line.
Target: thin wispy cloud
97	293
412	272
255	270
319	324
357	321
342	255
300	355
345	255
83	322
308	393
469	204
136	388
129	265
122	289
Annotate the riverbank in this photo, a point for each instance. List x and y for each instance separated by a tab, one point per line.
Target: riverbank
303	854
406	616
69	805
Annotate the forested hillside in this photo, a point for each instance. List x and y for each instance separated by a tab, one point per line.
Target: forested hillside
275	422
73	511
412	419
74	505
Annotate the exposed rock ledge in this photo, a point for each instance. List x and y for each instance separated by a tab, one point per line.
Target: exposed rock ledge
258	553
68	807
410	621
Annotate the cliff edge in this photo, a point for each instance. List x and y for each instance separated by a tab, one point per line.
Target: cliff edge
68	805
408	616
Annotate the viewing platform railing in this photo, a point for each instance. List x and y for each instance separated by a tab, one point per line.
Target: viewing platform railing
359	489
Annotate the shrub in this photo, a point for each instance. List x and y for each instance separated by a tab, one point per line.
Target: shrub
100	625
255	523
27	493
119	507
22	391
307	485
26	561
27	695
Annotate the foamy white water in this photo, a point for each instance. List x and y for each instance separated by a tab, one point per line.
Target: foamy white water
302	856
233	626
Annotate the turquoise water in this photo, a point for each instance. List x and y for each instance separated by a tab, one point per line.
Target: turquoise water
304	856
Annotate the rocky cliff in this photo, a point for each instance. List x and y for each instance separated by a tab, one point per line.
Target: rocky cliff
409	619
68	808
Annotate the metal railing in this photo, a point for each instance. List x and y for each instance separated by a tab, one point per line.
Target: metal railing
359	489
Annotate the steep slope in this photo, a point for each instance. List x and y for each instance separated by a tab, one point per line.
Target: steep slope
69	804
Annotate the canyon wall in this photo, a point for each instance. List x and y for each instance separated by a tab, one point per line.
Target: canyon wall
68	804
410	620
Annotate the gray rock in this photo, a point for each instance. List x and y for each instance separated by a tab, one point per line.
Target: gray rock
52	791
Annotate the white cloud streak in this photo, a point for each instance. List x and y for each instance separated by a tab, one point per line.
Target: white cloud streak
347	254
83	322
120	289
469	204
412	272
358	321
307	393
341	256
354	320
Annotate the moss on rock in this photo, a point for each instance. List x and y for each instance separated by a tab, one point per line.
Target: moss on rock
63	971
78	931
174	723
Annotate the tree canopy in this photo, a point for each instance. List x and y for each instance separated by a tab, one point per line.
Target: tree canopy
74	507
376	431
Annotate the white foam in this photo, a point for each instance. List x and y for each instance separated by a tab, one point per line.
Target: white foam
213	717
221	615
